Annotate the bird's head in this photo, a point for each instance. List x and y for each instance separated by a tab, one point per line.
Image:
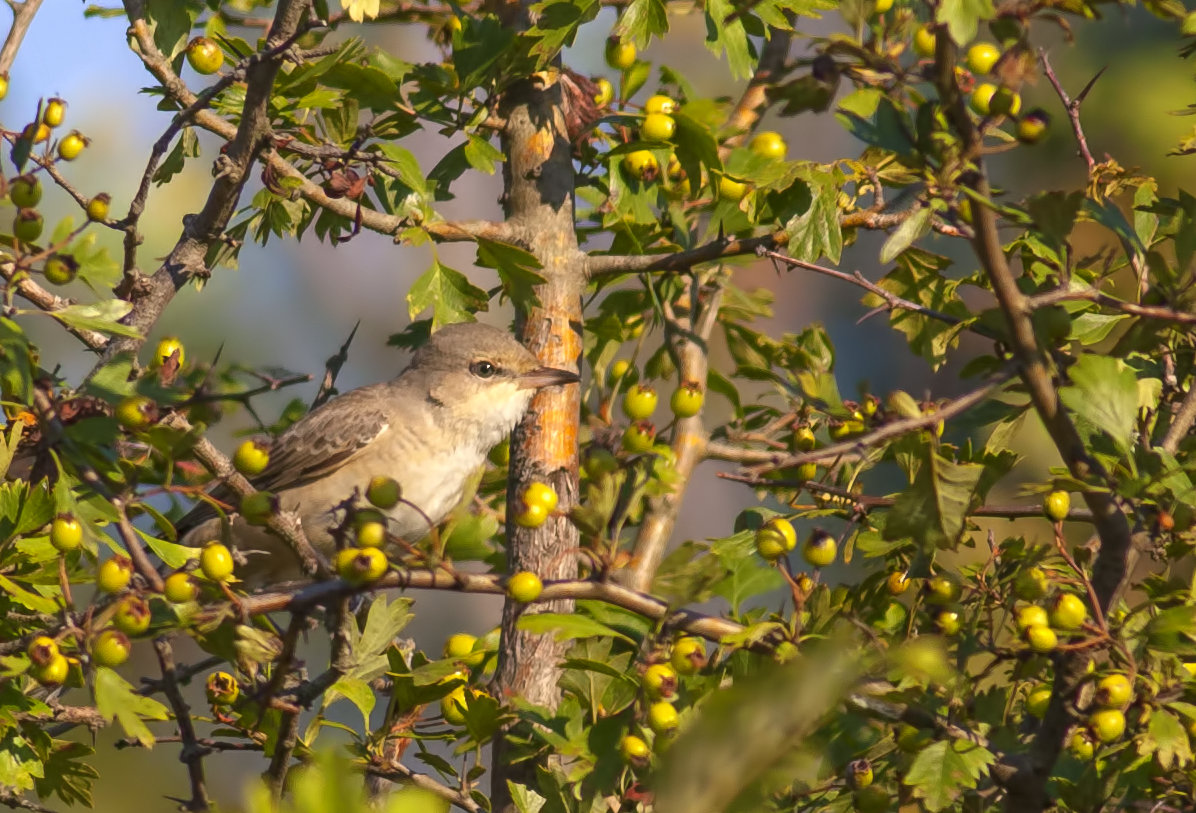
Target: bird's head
481	376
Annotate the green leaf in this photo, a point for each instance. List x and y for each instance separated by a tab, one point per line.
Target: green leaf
67	776
25	598
450	295
919	278
16	374
407	167
186	147
24	508
1107	213
516	268
102	316
525	799
942	769
642	20
963	17
816	233
557	22
1104	396
912	229
1167	739
888	128
933	509
567	626
357	692
170	22
384	622
1173	630
371	87
19	763
116	700
731	37
482	155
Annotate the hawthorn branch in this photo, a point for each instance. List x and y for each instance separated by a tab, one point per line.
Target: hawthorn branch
1182	423
9	799
868	503
29	290
204	229
608	265
318	594
192	753
397	772
22	17
1027	790
775	459
892	301
692	337
196	111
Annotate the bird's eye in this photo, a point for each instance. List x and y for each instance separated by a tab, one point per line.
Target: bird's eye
483	369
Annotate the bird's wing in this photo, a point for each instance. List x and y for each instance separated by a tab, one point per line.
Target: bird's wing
323	441
314	446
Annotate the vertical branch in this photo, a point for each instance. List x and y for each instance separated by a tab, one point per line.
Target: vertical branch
538	180
689	443
1026	790
22	16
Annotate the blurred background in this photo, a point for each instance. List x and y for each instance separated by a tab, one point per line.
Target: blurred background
292	304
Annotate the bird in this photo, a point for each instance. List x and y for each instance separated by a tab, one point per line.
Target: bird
429	428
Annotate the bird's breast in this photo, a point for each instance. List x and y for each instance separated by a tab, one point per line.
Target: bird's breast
431	474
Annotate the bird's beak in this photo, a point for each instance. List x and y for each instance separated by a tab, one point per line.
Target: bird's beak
546	377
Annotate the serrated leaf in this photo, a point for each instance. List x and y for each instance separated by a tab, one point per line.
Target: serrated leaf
101	316
944	768
66	774
384	621
186	147
557	22
516	268
1167	739
1104	395
116	700
19	763
727	34
933	509
525	799
170	22
449	293
39	604
642	20
963	17
816	233
357	692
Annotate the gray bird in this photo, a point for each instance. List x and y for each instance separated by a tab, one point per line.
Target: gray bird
430	429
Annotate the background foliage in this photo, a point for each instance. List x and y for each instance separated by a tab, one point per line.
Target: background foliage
891	656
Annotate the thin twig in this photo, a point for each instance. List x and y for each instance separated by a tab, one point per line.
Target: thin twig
332	367
22	16
1182	423
193	753
1072	107
397	772
777	460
